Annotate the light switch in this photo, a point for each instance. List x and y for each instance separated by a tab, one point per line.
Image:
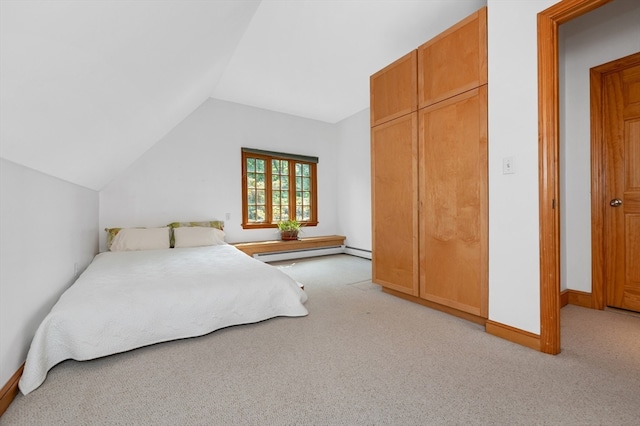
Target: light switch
508	166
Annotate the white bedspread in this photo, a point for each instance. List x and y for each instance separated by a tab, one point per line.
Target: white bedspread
126	300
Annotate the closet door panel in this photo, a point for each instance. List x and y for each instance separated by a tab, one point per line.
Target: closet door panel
453	202
394	161
394	90
454	61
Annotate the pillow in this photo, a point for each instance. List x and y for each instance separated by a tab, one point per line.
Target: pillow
131	239
218	224
209	224
111	234
197	236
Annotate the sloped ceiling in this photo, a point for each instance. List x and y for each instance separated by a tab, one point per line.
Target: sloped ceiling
86	87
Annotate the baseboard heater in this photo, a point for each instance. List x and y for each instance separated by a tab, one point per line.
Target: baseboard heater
298	254
354	251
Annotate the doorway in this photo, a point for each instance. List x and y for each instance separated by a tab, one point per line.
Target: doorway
549	169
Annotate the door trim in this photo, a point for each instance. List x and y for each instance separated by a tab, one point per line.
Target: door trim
548	164
598	197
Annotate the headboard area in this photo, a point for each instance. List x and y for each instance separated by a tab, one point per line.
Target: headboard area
113	232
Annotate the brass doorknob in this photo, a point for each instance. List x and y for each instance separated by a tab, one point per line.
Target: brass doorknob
616	202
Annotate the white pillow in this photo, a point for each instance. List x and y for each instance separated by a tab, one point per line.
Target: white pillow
197	236
131	239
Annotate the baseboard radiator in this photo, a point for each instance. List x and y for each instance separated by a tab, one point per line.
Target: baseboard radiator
298	254
354	251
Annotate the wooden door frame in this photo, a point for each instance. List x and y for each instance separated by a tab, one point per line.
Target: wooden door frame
599	200
548	165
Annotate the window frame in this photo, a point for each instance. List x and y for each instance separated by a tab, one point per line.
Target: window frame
292	159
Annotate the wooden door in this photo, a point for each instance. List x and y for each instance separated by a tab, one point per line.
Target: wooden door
393	90
621	133
394	197
454	61
454	202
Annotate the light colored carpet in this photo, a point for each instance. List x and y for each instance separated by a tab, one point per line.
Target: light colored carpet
360	357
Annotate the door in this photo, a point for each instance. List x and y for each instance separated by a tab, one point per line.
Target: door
621	134
454	202
394	198
454	61
393	89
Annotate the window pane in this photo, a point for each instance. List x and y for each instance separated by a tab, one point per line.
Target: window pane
252	213
251	180
299	212
306	198
298	198
284	168
284	183
275	198
260	166
306	184
285	212
259	180
298	183
306	213
260	197
275	167
251	164
261	213
251	196
276	214
275	182
298	169
285	197
306	170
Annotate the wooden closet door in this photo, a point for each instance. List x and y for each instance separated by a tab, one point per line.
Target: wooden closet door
394	176
454	61
393	89
454	202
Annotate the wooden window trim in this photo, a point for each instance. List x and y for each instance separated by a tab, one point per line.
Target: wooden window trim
292	159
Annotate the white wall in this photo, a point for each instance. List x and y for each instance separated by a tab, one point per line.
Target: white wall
514	265
609	32
354	177
47	226
194	172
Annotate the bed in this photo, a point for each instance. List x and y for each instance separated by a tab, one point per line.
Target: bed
134	298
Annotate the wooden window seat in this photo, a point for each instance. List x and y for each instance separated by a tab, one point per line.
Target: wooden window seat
275	246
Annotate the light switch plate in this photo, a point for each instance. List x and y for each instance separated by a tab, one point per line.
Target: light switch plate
508	166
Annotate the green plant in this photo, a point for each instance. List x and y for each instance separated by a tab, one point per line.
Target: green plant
289	229
289	225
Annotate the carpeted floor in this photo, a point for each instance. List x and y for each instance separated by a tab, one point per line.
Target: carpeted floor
360	357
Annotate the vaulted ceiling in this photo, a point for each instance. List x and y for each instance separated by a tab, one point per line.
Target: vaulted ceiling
86	87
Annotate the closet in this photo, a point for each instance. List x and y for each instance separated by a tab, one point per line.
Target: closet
429	172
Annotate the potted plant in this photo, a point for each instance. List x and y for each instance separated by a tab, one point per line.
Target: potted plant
289	229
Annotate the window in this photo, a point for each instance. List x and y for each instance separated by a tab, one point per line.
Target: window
278	186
